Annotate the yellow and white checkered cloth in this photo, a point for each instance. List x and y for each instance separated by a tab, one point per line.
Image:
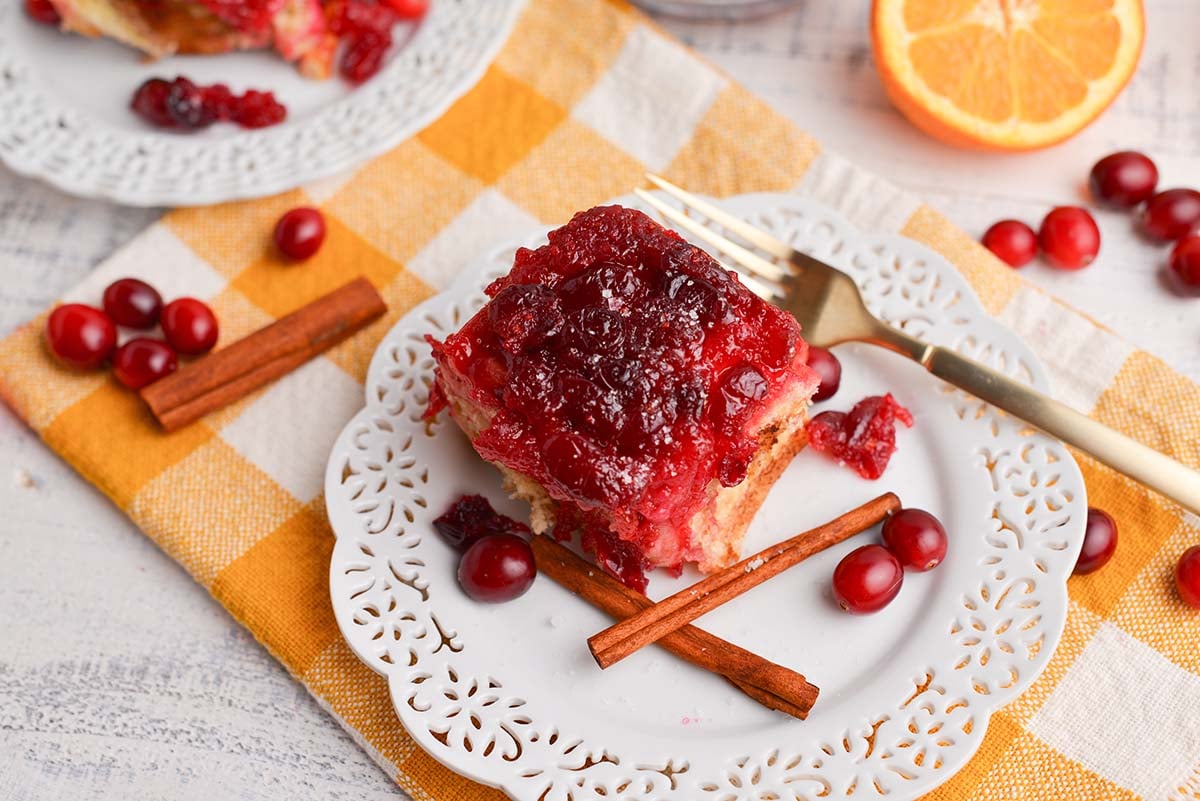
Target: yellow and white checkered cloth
585	97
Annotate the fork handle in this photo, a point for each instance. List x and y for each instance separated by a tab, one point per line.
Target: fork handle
1114	449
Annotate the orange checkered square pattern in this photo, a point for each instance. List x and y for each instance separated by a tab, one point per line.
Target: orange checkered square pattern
583	99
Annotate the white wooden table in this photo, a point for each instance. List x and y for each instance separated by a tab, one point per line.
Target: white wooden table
121	678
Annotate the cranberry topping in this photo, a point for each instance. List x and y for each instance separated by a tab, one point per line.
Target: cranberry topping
248	16
42	11
625	371
409	9
867	579
472	518
132	303
182	105
367	29
80	335
863	438
497	568
140	362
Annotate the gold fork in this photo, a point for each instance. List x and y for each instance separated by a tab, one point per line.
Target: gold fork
830	310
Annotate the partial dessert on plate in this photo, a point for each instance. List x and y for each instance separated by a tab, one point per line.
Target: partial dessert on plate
630	389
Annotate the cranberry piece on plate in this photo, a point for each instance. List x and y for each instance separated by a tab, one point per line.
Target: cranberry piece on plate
300	233
472	518
254	109
863	438
867	579
1069	237
1099	542
81	336
140	362
1012	241
42	11
150	103
917	539
1185	260
1187	576
186	105
132	303
190	326
1172	214
828	369
1123	179
497	568
409	9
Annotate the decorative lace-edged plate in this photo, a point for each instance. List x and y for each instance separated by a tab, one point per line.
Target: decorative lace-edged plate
64	113
508	694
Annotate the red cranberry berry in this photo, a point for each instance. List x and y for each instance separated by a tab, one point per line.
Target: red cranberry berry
497	568
300	233
81	336
140	362
256	109
364	55
917	539
409	9
186	106
132	303
1099	542
42	11
1187	576
1185	260
1123	179
867	579
1012	241
1172	214
472	518
190	326
1069	237
828	369
150	103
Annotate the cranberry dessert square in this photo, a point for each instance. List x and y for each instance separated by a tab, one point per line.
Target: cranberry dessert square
630	389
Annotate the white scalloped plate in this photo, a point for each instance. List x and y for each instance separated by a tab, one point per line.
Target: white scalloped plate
64	113
508	695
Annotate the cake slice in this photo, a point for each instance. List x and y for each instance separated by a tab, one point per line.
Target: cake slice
631	389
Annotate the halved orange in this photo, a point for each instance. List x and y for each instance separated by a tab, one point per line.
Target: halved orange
1005	74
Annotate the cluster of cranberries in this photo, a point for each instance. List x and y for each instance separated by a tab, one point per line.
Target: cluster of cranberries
186	106
1070	239
496	563
85	337
869	577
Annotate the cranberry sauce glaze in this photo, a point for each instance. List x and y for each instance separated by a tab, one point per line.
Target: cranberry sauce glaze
629	374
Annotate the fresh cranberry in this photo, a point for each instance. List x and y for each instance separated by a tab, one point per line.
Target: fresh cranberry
186	106
1187	576
1123	179
472	518
409	9
867	579
916	537
42	11
1012	241
150	103
1172	214
1099	542
828	369
1185	259
364	55
497	568
863	438
81	336
140	362
258	110
132	303
190	326
1069	237
300	233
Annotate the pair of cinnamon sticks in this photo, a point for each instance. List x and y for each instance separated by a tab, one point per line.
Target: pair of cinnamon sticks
642	622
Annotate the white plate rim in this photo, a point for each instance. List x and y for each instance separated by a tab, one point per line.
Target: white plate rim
348	565
42	138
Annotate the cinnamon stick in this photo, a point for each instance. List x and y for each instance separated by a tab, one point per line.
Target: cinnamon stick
657	621
772	685
233	372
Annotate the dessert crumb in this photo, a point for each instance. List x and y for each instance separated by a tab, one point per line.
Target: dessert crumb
24	479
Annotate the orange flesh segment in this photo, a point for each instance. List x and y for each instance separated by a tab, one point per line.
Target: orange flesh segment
966	64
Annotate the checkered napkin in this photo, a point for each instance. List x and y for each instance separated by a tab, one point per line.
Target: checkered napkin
585	97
